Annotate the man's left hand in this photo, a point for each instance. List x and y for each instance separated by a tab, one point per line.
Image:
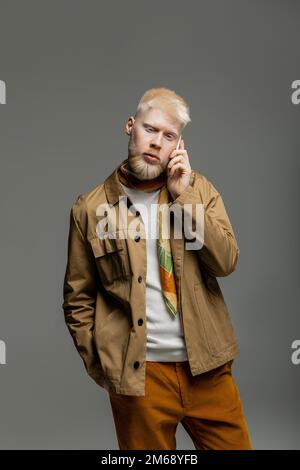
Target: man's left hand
179	171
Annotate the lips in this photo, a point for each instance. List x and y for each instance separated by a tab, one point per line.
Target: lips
151	155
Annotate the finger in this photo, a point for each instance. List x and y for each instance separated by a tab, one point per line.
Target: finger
175	167
178	166
174	160
182	152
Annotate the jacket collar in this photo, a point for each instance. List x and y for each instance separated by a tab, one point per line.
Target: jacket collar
112	186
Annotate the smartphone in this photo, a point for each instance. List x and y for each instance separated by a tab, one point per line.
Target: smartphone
179	140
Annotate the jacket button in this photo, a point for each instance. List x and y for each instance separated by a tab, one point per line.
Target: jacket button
140	321
137	238
140	278
136	364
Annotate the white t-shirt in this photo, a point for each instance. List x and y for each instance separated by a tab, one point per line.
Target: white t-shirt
165	338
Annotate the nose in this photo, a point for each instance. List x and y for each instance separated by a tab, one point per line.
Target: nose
156	141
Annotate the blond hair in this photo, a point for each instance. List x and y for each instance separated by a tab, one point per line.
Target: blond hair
166	100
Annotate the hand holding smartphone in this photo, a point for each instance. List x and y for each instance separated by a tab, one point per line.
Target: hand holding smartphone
177	147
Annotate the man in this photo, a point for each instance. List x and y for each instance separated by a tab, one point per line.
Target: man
145	310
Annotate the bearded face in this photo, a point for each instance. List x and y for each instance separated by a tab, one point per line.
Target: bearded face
153	137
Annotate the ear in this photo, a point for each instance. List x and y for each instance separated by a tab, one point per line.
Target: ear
129	124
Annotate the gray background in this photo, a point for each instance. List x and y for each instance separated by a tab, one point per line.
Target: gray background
75	72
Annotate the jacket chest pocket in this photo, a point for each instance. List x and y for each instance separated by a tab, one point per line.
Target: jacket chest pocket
111	257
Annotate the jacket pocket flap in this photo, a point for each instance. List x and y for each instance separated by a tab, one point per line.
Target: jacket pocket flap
104	246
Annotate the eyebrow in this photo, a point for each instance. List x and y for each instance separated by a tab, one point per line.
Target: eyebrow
168	132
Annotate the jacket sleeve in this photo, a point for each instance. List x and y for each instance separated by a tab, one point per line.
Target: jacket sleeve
218	250
79	294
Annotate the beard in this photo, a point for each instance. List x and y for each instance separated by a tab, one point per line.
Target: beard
144	170
138	165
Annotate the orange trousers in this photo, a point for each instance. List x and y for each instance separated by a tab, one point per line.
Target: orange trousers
207	405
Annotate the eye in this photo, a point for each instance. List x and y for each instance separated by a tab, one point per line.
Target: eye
170	137
149	129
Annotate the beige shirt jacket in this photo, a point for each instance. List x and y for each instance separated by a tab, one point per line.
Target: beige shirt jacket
104	285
